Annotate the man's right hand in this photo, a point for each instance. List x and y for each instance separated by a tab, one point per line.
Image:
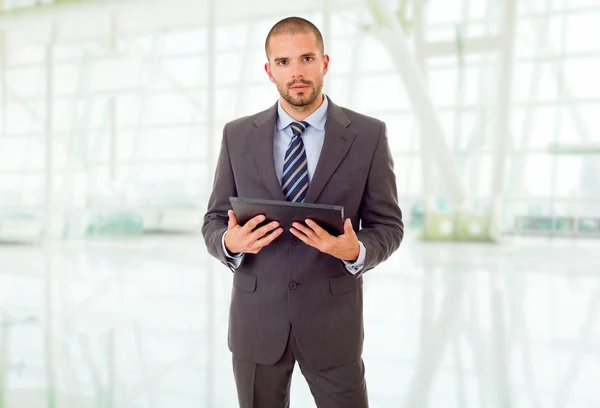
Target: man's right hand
243	239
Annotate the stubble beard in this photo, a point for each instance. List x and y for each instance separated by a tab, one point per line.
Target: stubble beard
301	101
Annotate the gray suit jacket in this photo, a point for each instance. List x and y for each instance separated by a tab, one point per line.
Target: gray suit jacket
289	282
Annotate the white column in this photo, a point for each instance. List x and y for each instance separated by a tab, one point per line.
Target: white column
211	95
3	86
391	35
114	32
326	27
504	114
212	138
48	131
426	173
112	159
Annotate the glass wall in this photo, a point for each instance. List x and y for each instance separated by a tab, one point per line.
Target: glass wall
124	105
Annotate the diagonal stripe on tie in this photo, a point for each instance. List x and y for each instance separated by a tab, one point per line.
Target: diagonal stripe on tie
294	180
295	155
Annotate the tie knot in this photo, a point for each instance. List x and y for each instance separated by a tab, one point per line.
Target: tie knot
298	127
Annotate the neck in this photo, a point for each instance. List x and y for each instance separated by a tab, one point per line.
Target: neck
299	113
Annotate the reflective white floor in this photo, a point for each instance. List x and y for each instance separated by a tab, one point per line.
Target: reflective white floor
143	323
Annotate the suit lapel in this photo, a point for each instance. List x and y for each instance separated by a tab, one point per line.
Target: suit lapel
338	139
261	145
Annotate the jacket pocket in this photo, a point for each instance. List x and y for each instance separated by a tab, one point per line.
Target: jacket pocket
244	282
344	284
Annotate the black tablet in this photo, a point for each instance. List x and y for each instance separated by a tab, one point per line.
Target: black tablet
330	217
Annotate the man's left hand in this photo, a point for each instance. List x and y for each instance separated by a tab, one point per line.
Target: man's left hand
344	247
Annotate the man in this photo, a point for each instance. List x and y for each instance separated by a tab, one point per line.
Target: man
297	294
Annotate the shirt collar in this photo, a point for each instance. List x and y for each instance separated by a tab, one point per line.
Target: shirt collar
316	119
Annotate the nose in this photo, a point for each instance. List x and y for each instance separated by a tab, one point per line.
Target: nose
297	71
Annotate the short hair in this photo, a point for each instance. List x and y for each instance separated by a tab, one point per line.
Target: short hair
295	25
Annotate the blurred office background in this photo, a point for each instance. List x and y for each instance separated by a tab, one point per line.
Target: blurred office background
111	115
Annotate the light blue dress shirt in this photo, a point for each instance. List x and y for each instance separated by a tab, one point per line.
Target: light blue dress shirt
313	138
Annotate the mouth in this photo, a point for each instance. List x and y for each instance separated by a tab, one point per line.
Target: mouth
299	87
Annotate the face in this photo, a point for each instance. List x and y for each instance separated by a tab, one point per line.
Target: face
297	68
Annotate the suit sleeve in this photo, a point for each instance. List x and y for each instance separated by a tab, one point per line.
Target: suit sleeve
216	218
382	228
233	261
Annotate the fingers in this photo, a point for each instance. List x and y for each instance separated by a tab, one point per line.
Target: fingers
321	233
264	230
266	240
309	236
253	223
298	234
302	228
348	227
232	220
256	240
313	230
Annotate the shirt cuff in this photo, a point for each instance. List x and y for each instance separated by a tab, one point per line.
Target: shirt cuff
233	261
356	266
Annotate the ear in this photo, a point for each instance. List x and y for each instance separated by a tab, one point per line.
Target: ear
325	64
268	71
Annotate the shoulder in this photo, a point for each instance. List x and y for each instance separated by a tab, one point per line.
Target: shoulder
234	126
364	123
244	123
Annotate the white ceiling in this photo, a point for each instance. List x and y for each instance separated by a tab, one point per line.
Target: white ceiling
33	26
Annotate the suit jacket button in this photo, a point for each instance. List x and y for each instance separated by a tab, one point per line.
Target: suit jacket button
295	241
293	285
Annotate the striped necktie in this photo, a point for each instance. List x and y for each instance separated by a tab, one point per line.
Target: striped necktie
294	181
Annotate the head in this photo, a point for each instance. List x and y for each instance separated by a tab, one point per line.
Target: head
297	63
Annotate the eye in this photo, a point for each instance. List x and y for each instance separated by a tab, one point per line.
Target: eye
281	62
308	59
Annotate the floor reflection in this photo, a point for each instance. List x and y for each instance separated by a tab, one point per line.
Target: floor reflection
143	323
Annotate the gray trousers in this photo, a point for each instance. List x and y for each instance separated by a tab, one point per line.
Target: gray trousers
262	386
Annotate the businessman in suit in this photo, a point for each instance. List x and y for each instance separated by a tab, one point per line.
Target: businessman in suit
297	292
